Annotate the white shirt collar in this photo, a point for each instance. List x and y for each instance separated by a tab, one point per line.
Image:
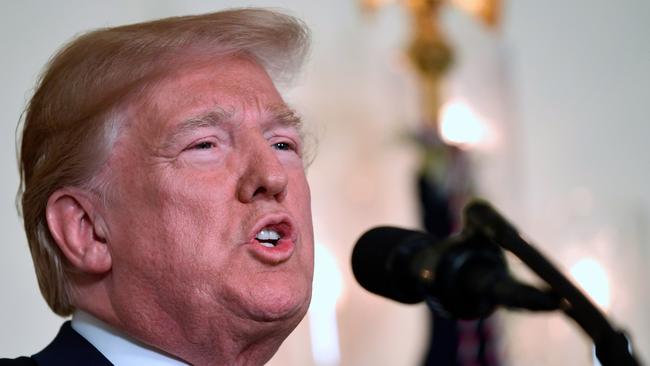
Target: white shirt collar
117	347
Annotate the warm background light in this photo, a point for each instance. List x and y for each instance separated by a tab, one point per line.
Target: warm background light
593	279
460	125
323	327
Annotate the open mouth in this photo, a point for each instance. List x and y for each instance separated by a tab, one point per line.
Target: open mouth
274	241
268	237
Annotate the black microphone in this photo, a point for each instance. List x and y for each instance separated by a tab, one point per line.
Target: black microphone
465	276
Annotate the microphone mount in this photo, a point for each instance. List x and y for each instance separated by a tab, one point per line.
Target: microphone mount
472	280
611	345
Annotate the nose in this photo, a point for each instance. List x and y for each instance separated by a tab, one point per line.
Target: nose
264	176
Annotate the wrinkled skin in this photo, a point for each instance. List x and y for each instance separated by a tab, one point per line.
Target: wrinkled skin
210	156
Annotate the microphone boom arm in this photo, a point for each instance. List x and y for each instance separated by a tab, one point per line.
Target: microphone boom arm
611	346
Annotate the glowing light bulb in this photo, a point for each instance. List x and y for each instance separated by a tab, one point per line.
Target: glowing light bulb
460	126
591	276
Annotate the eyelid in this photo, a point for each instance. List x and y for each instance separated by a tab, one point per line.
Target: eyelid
199	145
194	144
295	143
290	145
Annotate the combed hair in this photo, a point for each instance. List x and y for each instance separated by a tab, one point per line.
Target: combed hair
71	121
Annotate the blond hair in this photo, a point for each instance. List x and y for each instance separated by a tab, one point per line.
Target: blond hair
70	122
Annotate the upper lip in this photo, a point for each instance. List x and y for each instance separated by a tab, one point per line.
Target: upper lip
279	222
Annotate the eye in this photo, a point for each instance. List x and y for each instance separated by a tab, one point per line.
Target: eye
203	145
284	146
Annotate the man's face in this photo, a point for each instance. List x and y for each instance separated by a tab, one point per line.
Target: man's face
209	222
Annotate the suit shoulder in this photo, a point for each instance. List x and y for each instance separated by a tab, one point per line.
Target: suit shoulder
20	361
71	349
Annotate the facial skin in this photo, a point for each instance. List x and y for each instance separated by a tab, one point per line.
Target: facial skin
210	157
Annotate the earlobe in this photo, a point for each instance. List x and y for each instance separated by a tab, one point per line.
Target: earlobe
77	231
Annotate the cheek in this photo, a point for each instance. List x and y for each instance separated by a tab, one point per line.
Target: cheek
301	206
171	243
155	217
302	196
193	216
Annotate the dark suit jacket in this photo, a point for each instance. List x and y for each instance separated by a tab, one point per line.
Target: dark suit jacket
69	348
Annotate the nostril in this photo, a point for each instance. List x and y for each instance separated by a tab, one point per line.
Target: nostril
263	191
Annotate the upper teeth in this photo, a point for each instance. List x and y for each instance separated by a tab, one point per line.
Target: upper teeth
267	234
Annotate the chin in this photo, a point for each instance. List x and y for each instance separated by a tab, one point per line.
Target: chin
276	308
272	304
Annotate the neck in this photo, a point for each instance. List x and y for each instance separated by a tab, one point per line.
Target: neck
116	346
200	341
220	342
199	336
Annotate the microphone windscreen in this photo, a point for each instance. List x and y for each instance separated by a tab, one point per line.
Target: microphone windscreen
381	262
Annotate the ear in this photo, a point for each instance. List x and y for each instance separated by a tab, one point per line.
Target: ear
78	230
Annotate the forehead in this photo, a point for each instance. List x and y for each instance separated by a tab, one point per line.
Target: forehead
234	84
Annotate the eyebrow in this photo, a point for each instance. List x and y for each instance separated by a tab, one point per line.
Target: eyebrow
284	116
280	115
214	118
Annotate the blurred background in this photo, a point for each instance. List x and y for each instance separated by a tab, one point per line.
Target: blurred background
546	105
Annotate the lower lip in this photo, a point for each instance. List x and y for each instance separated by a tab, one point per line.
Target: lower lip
272	255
